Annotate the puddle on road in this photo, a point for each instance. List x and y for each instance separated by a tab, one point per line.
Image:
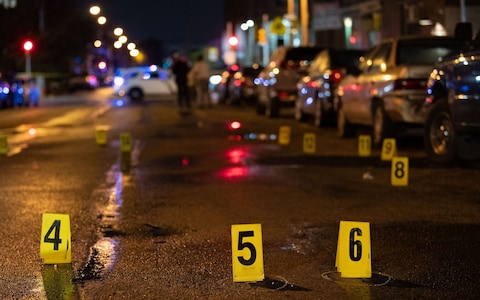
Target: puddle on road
103	255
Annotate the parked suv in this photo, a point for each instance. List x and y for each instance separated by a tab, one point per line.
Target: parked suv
388	93
277	82
316	90
452	127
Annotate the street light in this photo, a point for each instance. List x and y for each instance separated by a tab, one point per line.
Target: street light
102	20
94	10
28	47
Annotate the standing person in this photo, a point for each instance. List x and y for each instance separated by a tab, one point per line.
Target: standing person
180	69
201	73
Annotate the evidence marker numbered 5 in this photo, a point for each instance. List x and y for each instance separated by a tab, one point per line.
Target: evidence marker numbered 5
247	253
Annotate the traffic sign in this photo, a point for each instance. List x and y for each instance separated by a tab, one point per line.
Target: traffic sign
277	26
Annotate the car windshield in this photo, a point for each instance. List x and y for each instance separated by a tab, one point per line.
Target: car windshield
302	53
344	59
425	51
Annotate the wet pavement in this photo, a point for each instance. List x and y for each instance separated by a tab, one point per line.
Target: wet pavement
155	224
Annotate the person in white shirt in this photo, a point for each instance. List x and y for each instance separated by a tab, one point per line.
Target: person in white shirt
201	73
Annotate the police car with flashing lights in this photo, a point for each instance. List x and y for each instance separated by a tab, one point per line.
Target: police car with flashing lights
138	83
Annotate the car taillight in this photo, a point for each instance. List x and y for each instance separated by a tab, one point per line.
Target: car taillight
336	76
237	82
410	84
313	84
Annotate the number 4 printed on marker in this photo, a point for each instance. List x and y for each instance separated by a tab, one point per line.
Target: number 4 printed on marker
55	242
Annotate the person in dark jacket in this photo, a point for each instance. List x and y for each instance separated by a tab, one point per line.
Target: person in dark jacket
180	69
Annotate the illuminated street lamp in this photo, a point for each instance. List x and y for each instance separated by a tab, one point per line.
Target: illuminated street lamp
118	31
28	47
94	10
131	46
248	27
123	39
117	44
102	20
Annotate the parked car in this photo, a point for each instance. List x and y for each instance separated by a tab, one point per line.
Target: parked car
241	86
5	99
316	90
82	82
388	92
147	81
277	82
452	127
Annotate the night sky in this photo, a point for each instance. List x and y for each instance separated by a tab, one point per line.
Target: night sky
174	22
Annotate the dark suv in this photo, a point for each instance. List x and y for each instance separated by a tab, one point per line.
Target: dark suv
277	82
452	126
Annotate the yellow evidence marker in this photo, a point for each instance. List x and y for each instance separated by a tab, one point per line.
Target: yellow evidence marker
389	149
399	175
309	143
125	142
353	250
55	241
101	136
364	145
247	253
284	135
3	144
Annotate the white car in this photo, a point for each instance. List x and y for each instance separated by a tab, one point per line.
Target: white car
138	83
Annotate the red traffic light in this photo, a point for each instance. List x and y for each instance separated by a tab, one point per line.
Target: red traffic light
232	41
28	45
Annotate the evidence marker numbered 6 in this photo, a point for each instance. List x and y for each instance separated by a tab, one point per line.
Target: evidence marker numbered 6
55	240
247	253
354	250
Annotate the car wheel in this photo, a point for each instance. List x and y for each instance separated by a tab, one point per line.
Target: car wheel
344	128
318	117
273	108
260	108
135	94
382	125
299	115
440	138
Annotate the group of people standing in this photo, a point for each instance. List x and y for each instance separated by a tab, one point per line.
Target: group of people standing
191	78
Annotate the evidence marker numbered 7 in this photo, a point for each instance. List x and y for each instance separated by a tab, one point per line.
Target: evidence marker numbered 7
55	240
247	253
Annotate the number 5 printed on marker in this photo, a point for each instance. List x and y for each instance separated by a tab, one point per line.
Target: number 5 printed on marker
247	253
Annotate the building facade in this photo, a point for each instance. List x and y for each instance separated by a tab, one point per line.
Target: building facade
358	24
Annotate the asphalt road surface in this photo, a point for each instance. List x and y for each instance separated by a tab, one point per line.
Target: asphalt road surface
155	222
